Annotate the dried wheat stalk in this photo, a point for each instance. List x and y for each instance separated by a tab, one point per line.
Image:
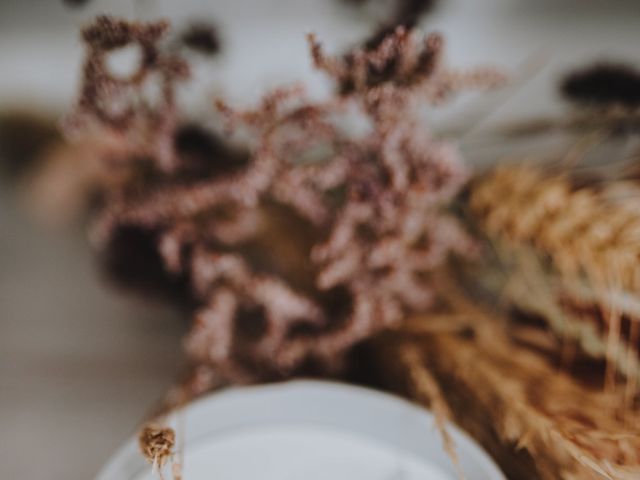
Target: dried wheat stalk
571	251
539	423
592	232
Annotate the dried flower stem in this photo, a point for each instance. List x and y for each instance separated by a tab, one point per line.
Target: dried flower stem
427	389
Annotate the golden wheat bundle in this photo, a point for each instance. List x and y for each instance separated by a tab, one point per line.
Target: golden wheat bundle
585	231
568	252
537	421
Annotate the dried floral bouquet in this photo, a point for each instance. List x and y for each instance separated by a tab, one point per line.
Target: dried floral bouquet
334	225
359	176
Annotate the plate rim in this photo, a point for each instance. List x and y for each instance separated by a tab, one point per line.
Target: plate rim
128	463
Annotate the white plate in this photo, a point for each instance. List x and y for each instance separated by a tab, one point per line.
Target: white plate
313	431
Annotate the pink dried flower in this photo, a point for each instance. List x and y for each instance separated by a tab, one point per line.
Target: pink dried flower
379	196
375	204
118	104
402	59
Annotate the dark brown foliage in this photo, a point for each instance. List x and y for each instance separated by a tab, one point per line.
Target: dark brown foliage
603	84
405	13
132	261
201	37
203	153
23	139
409	11
75	3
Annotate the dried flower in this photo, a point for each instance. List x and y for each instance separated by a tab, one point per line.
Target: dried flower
401	59
379	196
118	104
374	204
156	444
231	288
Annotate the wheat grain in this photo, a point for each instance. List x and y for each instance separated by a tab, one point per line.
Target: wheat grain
568	246
584	231
539	423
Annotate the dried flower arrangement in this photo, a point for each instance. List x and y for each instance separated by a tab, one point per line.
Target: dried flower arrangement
335	227
363	201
